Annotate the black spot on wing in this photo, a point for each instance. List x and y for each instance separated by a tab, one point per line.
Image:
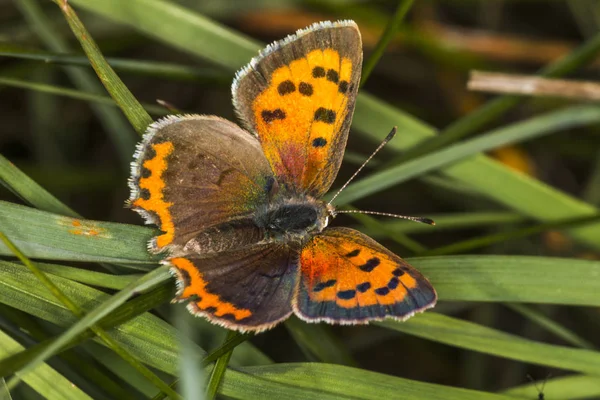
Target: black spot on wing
318	72
370	264
346	294
382	291
319	142
144	194
353	253
363	287
324	115
393	283
186	280
305	89
398	272
146	173
343	87
286	87
324	285
333	76
270	116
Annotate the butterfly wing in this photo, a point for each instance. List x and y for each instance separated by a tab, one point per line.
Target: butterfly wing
298	96
347	277
249	289
194	172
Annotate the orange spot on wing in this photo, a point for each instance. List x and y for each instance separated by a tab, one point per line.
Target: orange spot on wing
197	287
155	185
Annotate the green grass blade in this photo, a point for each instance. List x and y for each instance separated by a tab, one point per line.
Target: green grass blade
388	34
181	27
519	192
302	381
490	111
115	125
135	67
551	326
49	236
469	335
563	388
148	281
151	339
92	278
133	110
521	131
23	186
43	379
320	340
73	94
502	237
518	279
218	372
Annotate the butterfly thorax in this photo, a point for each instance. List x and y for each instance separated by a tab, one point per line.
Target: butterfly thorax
293	219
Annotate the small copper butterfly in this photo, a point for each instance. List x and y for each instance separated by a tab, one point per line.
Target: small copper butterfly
241	212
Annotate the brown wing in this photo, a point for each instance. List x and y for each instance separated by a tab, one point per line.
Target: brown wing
298	96
247	290
194	172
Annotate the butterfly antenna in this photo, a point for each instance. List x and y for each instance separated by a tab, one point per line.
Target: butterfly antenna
422	220
385	141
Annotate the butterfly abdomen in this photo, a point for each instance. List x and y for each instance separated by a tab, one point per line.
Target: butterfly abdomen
233	235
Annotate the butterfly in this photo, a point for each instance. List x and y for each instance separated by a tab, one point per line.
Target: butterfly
241	211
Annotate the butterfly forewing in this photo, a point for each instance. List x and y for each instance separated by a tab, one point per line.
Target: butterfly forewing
347	277
194	172
298	96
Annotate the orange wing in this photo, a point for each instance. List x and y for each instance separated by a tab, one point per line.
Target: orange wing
298	96
347	277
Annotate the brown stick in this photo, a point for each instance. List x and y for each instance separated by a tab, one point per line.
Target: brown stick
533	86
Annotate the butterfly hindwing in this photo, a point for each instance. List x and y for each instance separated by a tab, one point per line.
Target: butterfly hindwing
347	277
194	172
248	289
298	96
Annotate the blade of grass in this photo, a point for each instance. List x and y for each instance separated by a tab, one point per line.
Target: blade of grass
183	28
73	94
148	281
43	235
137	67
562	388
133	110
113	123
218	372
300	381
388	34
471	336
149	338
551	326
320	340
44	379
78	312
19	183
501	237
516	133
494	109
